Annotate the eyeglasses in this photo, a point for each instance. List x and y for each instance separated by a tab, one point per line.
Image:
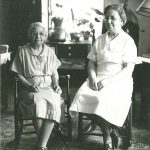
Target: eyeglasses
112	18
42	34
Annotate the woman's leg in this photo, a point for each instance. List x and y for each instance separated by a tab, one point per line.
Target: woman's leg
105	126
43	128
38	125
45	132
106	130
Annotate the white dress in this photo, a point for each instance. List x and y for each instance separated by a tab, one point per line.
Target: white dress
113	101
38	69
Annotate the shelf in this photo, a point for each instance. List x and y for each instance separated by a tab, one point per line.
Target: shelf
72	63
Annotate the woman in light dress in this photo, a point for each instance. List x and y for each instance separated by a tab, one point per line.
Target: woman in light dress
108	90
36	67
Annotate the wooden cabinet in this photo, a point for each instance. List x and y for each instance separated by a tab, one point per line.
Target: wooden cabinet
73	56
72	50
141	77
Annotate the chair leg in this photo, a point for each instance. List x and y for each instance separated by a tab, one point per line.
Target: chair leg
69	124
80	124
18	130
129	128
16	133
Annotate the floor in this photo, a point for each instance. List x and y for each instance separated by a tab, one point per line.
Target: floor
141	135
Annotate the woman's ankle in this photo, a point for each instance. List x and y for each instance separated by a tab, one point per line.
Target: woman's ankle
107	139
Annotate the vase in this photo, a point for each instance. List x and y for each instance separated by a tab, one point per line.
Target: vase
58	33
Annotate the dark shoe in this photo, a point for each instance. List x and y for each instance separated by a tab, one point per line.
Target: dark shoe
115	139
65	139
42	148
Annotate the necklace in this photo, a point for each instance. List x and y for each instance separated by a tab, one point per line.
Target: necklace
38	58
38	61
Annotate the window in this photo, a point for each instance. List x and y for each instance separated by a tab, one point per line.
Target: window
77	15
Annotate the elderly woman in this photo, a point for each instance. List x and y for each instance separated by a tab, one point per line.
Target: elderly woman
107	92
36	66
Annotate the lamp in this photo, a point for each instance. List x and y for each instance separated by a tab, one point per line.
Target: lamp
144	8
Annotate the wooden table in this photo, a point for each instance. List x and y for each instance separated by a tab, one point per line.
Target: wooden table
4	71
141	76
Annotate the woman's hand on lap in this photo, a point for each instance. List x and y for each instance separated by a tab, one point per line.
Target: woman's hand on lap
57	89
33	88
100	85
93	84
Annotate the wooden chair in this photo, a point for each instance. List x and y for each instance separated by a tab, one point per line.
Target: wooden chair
127	127
21	124
84	117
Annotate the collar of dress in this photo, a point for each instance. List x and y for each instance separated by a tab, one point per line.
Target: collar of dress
43	52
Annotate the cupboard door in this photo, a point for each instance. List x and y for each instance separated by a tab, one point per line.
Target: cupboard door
72	50
73	56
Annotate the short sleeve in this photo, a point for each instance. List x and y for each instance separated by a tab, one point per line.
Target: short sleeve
57	63
54	61
92	53
130	53
17	63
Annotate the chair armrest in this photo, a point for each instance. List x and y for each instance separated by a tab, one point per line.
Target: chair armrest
66	78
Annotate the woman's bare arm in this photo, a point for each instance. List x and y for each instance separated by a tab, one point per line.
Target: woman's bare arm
26	84
55	78
92	69
92	76
55	81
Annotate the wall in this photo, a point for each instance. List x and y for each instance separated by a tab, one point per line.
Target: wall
4	22
24	13
16	17
144	23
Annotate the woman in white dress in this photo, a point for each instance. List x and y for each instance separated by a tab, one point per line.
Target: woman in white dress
107	92
36	67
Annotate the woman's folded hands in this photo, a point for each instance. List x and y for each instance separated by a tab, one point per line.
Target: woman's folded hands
34	88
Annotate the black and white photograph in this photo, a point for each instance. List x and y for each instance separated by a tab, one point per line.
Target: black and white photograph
74	74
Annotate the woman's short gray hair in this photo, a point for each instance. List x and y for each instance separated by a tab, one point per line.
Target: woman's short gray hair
34	25
119	9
